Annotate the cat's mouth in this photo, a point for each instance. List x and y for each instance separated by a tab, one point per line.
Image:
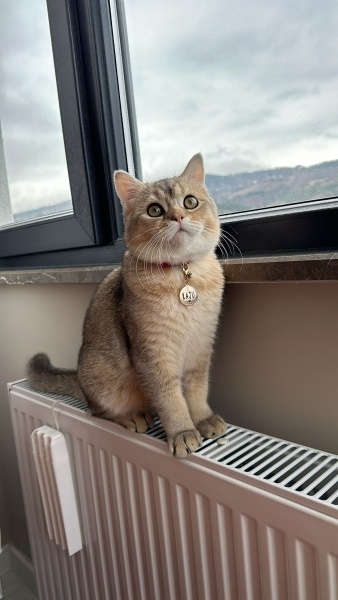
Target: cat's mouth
180	228
180	236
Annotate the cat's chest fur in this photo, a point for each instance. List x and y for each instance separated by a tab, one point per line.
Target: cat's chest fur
160	287
154	311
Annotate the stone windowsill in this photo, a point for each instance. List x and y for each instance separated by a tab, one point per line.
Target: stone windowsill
307	267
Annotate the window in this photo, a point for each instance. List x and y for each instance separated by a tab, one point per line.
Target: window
94	128
251	85
34	174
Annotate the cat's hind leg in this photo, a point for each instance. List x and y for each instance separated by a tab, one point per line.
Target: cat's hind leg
115	394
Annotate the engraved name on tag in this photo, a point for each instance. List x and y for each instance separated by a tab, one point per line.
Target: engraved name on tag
188	295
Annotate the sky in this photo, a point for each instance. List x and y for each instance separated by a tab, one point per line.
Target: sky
250	84
29	110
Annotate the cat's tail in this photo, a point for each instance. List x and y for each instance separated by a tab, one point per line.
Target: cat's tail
44	377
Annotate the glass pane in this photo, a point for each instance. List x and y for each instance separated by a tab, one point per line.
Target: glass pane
33	171
252	85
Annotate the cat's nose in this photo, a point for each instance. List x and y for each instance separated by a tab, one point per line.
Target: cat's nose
177	218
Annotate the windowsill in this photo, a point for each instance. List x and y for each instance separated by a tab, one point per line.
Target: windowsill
288	267
291	267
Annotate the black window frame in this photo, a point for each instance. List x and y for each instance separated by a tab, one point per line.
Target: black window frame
92	122
297	229
89	98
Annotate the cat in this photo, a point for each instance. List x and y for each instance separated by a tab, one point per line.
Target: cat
149	330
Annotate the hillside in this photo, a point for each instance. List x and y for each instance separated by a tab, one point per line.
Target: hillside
261	189
246	191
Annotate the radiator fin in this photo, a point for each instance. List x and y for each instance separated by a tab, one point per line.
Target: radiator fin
286	464
248	535
151	532
135	523
220	525
98	519
204	546
124	540
185	543
332	567
167	540
276	557
307	570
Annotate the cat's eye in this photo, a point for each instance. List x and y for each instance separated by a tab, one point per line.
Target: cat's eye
155	210
190	202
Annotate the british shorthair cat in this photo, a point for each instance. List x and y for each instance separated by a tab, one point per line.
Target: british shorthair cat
149	330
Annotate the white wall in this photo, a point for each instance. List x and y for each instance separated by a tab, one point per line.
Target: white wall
275	364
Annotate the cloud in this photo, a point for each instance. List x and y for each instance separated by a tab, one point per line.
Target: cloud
250	84
29	110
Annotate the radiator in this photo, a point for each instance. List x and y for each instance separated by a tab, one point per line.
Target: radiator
253	519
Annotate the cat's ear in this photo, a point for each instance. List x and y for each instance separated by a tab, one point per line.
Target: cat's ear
195	169
127	188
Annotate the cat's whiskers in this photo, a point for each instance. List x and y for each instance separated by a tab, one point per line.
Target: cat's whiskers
169	249
147	249
142	233
225	246
141	244
175	255
225	243
135	252
159	265
150	247
228	237
136	266
197	226
160	249
153	245
224	251
165	238
231	238
232	246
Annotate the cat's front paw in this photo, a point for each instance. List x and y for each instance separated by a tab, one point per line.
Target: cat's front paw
184	443
212	426
136	421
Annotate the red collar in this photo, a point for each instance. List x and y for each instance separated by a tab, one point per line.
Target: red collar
166	265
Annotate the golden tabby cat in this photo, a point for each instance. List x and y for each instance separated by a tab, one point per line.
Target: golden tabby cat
149	330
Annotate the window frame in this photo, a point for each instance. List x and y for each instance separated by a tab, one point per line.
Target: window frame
91	116
90	104
284	230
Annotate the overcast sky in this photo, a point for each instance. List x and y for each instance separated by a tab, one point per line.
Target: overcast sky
249	83
29	111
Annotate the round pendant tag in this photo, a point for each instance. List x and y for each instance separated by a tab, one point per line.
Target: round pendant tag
188	295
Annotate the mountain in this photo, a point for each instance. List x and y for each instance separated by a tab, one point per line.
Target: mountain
273	187
246	191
